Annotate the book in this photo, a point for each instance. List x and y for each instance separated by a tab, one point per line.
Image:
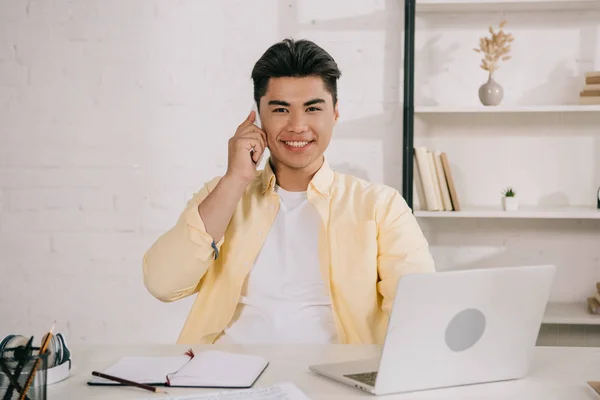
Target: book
590	93
433	181
281	391
207	369
436	181
450	180
418	186
592	77
592	80
589	100
593	305
425	172
591	88
443	182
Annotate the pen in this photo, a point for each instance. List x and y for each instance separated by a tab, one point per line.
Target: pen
127	382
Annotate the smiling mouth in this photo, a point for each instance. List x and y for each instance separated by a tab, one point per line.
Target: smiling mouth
297	144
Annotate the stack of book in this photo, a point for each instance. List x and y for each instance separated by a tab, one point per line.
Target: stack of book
594	301
591	90
433	181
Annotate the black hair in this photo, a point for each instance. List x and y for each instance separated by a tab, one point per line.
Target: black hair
295	58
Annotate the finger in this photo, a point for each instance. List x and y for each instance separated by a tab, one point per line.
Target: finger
258	156
248	121
255	133
258	153
262	134
256	136
253	145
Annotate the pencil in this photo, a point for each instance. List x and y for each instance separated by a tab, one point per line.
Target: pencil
43	349
126	382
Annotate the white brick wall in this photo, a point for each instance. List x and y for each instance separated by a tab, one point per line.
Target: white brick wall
114	112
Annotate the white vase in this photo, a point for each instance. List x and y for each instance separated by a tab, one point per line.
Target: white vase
510	203
491	93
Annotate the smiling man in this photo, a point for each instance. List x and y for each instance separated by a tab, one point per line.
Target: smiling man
294	253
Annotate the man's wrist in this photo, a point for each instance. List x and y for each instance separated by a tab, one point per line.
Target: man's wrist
234	184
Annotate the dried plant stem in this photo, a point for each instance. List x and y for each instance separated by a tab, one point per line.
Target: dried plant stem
495	48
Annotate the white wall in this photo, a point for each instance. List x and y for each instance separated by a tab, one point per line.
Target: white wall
114	112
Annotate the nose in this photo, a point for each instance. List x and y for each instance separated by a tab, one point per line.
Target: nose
296	123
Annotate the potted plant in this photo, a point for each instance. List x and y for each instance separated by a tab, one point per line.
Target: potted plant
495	48
509	200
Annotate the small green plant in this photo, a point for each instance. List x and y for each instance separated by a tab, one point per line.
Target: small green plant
509	192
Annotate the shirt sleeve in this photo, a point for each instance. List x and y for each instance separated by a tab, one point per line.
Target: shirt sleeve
176	262
403	249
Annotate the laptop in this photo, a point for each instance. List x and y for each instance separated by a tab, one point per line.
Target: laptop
455	328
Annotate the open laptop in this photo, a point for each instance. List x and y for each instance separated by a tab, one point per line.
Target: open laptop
455	328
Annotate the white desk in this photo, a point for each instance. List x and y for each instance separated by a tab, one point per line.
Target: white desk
558	373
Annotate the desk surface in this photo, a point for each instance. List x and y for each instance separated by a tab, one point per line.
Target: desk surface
556	373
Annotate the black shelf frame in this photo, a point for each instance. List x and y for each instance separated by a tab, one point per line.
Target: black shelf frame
409	106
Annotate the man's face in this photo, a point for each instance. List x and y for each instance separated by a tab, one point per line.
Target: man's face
298	116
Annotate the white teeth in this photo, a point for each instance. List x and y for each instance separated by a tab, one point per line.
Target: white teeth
296	144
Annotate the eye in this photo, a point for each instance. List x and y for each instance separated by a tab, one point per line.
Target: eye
313	109
279	110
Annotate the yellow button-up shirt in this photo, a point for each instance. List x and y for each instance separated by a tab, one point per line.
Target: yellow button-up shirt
368	240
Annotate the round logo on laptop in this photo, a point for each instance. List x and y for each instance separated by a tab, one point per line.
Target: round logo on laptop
465	329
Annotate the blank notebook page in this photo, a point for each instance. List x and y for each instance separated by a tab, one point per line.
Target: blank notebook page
213	368
150	370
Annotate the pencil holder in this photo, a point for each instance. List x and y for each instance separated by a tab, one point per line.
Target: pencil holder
16	368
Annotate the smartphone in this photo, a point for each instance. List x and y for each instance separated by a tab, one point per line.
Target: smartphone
257	120
259	124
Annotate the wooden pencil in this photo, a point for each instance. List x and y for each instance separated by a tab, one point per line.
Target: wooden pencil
43	349
126	382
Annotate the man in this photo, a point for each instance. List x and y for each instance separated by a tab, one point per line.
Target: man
295	252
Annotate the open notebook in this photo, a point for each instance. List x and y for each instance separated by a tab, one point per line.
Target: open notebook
210	368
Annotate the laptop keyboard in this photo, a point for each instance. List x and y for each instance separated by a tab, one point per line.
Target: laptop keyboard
365	377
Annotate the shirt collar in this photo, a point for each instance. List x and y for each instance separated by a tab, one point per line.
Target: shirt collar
321	181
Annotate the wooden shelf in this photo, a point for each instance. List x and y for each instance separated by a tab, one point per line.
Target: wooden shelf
523	212
570	314
507	109
430	6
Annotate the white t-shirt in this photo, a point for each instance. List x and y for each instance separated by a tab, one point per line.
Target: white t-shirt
284	298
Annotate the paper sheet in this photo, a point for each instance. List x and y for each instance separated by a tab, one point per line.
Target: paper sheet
219	369
282	391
